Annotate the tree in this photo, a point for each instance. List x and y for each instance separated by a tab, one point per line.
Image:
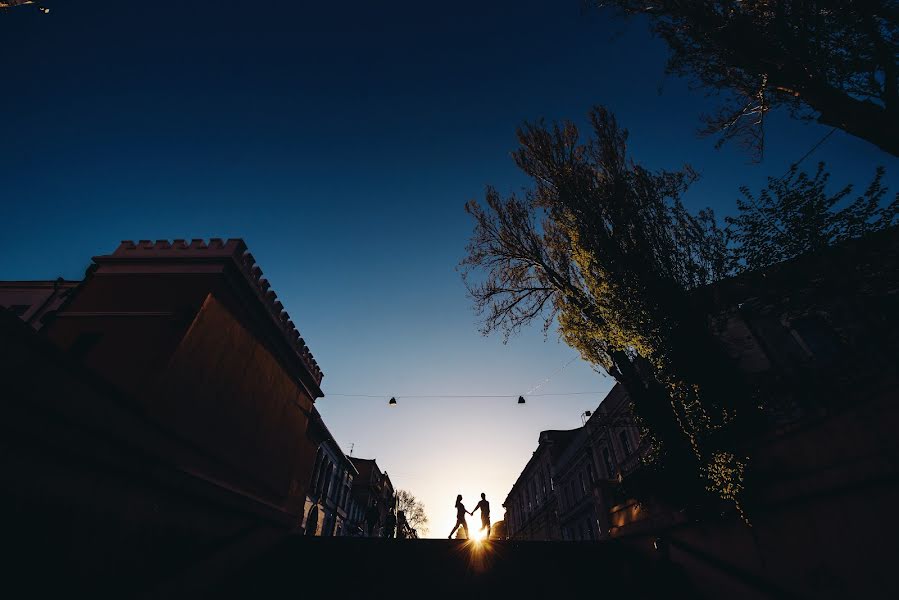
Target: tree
414	511
8	4
834	61
606	247
795	215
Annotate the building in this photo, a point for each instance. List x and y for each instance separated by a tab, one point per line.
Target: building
329	500
31	301
576	476
811	337
371	487
570	488
532	504
158	407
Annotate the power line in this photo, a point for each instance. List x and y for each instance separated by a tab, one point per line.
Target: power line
793	165
530	393
807	154
459	395
556	372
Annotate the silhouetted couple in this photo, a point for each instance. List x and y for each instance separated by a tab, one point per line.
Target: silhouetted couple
483	506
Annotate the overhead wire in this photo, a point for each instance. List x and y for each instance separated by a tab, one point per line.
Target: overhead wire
793	165
530	393
461	395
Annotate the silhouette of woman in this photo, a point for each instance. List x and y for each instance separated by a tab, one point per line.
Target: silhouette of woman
460	518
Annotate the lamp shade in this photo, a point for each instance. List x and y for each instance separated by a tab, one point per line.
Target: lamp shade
392	402
521	399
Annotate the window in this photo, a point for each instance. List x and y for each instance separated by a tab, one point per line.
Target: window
625	442
326	481
607	458
583	487
316	471
817	337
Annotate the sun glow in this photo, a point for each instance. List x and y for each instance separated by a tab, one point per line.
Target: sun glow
477	535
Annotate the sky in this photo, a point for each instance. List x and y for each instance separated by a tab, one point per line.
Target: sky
341	141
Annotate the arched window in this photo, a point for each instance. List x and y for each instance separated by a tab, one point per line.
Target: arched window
607	458
316	472
312	520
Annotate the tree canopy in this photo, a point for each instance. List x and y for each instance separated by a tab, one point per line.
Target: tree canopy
606	246
837	62
795	215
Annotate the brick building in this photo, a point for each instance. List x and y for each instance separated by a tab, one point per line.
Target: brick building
167	397
32	300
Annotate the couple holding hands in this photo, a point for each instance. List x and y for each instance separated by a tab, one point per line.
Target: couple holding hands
483	506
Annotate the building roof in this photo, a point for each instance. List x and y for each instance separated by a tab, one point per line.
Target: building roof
321	434
364	467
554	441
31	301
198	252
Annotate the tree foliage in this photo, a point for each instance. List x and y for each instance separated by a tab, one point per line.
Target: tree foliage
834	61
795	215
414	511
606	246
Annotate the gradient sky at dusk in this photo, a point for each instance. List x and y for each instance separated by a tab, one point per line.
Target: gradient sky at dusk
341	141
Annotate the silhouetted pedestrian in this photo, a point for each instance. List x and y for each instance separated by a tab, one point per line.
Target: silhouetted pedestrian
484	506
460	518
402	525
389	524
372	517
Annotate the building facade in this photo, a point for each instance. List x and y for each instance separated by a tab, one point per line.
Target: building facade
158	408
807	342
572	484
32	300
329	500
197	341
532	511
371	488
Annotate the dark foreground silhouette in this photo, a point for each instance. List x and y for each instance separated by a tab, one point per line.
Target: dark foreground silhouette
347	568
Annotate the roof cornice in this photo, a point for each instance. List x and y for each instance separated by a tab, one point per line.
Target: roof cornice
216	250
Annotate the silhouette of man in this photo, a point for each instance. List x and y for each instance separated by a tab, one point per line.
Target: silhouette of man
402	526
484	506
460	518
372	516
389	524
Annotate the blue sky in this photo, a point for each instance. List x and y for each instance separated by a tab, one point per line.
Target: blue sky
341	143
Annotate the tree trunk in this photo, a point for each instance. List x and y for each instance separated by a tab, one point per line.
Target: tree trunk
860	118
